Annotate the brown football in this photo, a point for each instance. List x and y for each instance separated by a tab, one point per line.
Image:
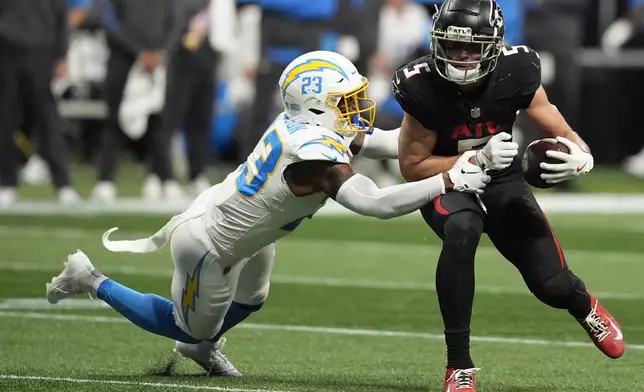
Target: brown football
532	158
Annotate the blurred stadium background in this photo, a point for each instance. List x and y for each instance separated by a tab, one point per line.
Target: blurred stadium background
154	100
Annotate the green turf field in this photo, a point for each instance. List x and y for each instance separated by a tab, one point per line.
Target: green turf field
130	177
352	308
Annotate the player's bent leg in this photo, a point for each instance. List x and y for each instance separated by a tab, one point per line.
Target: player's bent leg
148	311
458	220
520	231
252	278
203	286
252	288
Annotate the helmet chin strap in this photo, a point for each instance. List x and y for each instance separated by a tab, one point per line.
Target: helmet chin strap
462	76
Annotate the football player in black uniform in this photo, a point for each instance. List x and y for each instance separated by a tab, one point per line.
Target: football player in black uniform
465	95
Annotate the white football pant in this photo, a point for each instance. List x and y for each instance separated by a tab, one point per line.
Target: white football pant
205	284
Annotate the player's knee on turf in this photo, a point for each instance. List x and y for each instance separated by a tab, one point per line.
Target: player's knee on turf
463	230
252	296
560	290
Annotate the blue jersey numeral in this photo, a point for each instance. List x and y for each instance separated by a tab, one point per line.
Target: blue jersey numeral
255	174
316	81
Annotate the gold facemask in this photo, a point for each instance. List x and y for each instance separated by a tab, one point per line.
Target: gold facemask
356	111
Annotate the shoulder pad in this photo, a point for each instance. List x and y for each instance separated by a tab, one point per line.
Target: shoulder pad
519	70
320	144
404	83
412	89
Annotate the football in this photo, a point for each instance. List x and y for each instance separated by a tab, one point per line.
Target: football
533	156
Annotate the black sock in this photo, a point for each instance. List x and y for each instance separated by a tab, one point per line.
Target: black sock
458	350
579	306
455	284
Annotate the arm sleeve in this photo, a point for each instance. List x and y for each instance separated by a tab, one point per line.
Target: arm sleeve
380	144
361	195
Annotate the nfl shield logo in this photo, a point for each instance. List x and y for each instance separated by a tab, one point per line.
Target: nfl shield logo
475	113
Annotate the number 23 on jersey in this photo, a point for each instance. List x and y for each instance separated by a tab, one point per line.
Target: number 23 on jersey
257	170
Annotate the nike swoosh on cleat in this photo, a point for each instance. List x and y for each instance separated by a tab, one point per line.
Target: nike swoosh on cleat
619	336
579	169
464	172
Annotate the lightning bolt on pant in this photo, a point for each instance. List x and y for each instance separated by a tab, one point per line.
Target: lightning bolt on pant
205	284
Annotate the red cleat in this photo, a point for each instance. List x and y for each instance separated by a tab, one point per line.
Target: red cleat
604	330
460	380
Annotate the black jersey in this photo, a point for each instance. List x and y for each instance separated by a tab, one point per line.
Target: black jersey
467	120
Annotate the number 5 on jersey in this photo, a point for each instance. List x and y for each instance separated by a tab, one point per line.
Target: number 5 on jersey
256	172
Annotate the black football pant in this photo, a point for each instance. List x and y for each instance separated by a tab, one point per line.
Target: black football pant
26	100
112	138
520	231
189	101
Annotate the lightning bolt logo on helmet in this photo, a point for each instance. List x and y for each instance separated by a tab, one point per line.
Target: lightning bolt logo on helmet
191	290
310	65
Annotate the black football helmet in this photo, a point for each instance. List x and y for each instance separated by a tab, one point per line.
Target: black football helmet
467	37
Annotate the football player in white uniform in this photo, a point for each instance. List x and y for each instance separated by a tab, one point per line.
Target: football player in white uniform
223	245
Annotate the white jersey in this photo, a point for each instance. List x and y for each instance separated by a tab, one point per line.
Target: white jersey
253	206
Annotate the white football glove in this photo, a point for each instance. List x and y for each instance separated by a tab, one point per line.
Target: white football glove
468	177
497	153
576	163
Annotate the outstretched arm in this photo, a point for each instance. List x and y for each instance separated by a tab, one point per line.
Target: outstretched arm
379	144
361	195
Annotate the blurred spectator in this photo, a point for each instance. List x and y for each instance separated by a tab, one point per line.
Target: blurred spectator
35	171
555	30
402	35
33	46
289	28
359	39
190	93
78	12
624	28
614	38
138	34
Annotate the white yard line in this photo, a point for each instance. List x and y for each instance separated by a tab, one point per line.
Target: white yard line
133	383
311	280
324	330
576	203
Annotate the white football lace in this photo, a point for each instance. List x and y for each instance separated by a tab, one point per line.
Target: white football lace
464	377
598	328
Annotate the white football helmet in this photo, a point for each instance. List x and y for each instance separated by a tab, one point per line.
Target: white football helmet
326	89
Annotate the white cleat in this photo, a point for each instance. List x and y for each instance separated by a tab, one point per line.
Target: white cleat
8	196
152	190
68	197
78	277
208	355
173	191
104	192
